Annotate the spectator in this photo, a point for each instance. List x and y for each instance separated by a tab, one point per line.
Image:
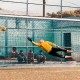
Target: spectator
30	57
14	52
41	57
21	57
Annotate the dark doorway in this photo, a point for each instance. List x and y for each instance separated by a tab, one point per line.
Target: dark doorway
67	39
67	43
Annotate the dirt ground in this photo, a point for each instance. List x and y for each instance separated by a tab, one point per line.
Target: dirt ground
40	73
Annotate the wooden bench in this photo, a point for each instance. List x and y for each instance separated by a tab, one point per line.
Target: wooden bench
14	60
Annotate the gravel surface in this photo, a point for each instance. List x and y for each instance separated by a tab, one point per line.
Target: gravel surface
40	73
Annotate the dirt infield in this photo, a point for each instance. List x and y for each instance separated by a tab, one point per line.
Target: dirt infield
40	73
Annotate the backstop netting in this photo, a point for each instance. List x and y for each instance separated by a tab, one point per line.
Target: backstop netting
63	32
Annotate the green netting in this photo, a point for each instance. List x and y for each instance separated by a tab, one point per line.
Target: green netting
65	33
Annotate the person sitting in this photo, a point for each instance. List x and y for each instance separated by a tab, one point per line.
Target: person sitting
30	56
41	57
14	52
21	57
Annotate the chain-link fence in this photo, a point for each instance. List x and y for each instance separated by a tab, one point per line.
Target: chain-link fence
63	32
39	7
